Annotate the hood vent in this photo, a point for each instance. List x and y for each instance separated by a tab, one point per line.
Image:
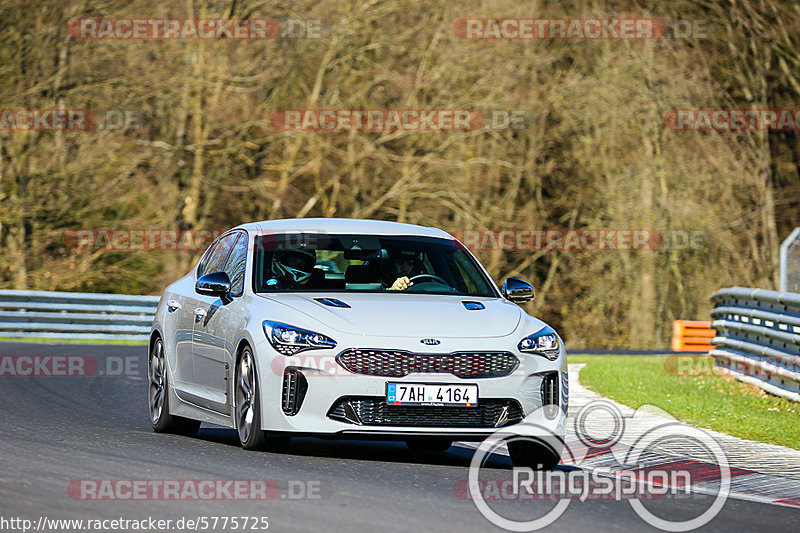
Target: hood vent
332	302
473	306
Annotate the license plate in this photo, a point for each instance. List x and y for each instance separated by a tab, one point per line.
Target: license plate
432	394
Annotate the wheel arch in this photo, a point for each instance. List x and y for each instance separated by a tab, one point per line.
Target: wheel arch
237	356
155	334
240	348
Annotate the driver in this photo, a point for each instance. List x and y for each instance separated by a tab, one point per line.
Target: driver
292	268
400	266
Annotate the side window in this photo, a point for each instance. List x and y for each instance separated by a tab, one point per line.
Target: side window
467	284
204	260
472	284
235	265
216	257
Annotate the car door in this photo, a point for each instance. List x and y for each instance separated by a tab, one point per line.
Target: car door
181	303
179	319
214	330
191	311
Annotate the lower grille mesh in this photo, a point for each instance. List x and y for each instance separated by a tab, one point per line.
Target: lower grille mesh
373	411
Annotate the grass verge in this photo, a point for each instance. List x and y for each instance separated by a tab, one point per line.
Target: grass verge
700	397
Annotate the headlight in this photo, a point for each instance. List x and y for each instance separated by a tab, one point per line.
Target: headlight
544	342
289	340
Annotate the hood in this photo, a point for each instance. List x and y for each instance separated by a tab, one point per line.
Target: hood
406	315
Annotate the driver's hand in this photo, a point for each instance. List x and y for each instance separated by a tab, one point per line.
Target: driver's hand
401	284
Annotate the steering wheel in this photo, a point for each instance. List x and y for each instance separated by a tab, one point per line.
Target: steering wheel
435	278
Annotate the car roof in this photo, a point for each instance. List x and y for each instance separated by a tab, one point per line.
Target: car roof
342	226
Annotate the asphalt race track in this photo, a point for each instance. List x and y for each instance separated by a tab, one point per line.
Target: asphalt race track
60	429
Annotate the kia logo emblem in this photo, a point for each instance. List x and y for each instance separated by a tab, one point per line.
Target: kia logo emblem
431	342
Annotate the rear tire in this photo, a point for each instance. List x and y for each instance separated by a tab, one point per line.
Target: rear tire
429	444
536	454
158	396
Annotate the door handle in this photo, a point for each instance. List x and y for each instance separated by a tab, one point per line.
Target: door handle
173	305
199	314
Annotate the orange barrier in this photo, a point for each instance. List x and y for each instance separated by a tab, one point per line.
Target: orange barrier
692	336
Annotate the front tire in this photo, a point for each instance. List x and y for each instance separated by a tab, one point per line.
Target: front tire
158	396
247	407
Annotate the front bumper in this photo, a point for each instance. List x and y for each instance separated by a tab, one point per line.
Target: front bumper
328	386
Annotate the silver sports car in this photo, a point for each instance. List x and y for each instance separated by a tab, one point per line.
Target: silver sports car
353	329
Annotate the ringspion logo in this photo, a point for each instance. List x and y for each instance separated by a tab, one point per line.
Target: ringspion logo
637	473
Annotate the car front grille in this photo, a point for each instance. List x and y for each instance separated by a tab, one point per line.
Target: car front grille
374	411
397	363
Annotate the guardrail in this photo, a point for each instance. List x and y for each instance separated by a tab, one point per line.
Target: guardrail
76	315
758	338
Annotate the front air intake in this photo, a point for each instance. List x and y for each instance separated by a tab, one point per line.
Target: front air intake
295	386
550	397
550	388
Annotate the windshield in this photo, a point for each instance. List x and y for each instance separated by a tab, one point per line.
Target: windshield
366	263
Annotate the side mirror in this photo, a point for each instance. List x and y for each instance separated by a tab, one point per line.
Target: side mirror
517	290
216	284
